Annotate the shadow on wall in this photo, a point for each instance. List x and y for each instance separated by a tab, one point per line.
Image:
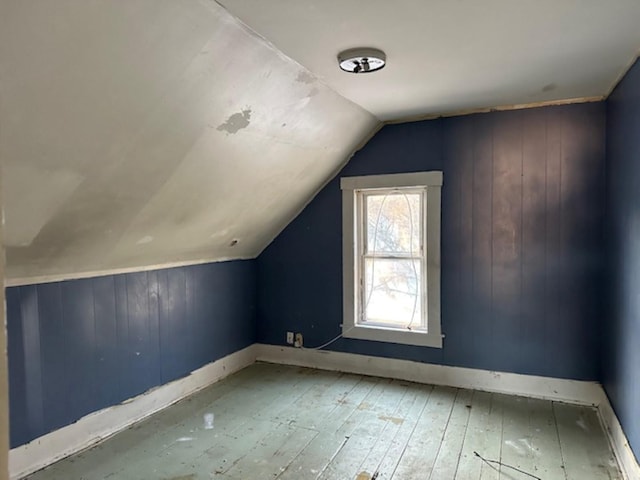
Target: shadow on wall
522	213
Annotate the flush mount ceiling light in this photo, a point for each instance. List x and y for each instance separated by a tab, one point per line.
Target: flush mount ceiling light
362	60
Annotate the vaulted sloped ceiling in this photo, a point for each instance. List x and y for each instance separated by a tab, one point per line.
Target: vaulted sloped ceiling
150	132
137	133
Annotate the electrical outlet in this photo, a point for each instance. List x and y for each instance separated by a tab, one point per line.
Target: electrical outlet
298	342
290	338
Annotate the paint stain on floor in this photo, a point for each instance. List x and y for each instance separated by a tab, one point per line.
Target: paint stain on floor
394	420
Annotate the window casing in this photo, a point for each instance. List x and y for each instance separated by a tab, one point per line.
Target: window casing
391	258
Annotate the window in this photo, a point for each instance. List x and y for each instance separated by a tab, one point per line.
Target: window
391	255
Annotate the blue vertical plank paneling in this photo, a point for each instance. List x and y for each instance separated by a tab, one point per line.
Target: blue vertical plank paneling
506	204
581	237
534	156
466	351
107	353
456	253
153	327
179	355
80	342
200	289
164	338
143	372
126	380
482	239
53	348
32	359
226	336
552	284
510	244
220	332
191	321
596	262
78	346
621	326
564	334
19	433
212	307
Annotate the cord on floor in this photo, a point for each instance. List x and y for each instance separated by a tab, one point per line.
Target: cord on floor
489	462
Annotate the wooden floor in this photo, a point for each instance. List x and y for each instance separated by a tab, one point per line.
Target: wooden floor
277	422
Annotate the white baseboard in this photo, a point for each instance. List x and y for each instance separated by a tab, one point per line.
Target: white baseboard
97	426
569	391
618	439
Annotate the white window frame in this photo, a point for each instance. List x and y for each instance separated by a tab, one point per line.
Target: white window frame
352	223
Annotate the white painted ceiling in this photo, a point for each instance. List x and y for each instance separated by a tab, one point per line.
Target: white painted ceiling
447	56
148	132
152	132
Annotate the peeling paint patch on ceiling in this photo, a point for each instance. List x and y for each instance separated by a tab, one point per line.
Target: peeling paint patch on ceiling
236	122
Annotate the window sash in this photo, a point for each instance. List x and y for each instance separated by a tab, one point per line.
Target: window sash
362	255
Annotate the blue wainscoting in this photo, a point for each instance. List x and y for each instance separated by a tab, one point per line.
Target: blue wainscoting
621	324
78	346
522	243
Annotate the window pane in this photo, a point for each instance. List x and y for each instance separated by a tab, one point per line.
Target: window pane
393	223
392	292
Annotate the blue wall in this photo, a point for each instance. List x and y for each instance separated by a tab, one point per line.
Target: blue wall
522	262
78	346
522	266
621	359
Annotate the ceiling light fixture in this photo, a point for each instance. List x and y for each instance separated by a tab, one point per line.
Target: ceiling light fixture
362	60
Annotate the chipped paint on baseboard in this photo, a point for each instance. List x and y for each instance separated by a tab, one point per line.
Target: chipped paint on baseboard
98	426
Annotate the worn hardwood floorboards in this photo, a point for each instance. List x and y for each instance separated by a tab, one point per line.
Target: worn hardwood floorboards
279	422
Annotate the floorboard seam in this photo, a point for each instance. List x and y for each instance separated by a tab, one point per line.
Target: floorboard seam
444	432
412	432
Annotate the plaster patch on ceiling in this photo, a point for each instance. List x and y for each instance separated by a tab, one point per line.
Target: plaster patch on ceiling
236	122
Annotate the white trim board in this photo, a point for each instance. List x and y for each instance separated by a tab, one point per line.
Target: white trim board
63	277
570	391
100	425
556	389
97	426
626	459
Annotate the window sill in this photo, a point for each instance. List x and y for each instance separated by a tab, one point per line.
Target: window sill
392	335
